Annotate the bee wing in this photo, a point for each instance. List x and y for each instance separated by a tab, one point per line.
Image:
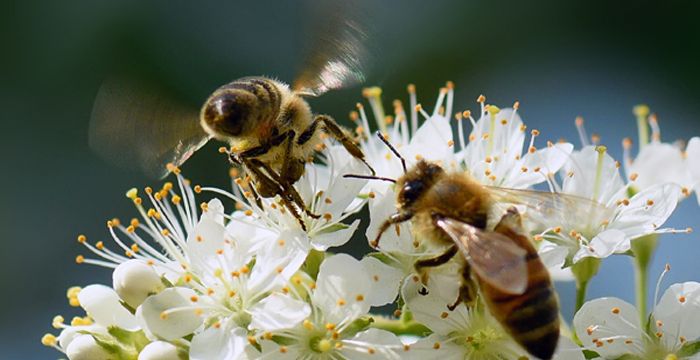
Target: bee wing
134	126
544	210
336	54
494	257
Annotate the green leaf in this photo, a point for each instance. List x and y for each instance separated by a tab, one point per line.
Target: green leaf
356	326
313	263
690	348
590	354
333	228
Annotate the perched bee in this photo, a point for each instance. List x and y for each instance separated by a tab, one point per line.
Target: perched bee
501	262
268	124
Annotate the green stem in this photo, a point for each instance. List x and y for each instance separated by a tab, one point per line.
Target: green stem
640	287
399	327
581	287
643	249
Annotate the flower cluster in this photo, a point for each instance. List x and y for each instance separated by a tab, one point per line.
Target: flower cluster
239	278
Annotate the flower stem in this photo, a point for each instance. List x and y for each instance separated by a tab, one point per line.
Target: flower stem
581	287
643	249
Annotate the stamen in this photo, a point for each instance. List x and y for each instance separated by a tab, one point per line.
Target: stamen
583	137
655	130
667	268
641	112
373	95
413	101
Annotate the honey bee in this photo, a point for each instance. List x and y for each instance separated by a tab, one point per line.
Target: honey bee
268	124
501	264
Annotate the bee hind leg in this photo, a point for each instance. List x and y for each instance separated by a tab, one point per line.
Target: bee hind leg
467	290
331	127
270	186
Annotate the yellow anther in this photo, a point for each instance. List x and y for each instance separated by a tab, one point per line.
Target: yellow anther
135	248
615	310
79	259
359	297
411	89
49	340
330	326
308	325
641	110
245	269
132	193
493	109
176	199
481	99
165	232
82	239
57	321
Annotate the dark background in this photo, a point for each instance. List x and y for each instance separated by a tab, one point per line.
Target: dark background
560	59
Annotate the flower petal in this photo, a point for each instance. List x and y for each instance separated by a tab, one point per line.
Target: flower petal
431	309
372	344
679	313
659	163
103	305
173	325
219	343
604	244
159	350
647	210
342	287
435	347
386	281
605	318
277	312
335	238
380	208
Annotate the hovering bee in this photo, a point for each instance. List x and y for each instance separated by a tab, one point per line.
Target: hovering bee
455	210
268	124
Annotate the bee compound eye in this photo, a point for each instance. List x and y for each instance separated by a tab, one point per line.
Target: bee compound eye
227	113
411	191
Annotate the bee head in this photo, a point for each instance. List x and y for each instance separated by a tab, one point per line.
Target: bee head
417	181
226	113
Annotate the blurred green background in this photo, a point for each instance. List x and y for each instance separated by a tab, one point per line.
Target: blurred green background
560	59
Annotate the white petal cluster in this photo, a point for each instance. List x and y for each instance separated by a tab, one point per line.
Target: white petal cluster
611	326
240	278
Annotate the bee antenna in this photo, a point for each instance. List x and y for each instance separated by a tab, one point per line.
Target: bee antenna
370	177
386	142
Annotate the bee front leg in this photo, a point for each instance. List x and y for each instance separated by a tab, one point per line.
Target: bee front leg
332	128
392	220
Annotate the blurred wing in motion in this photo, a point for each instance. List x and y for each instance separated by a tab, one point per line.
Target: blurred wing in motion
494	257
545	210
336	53
134	126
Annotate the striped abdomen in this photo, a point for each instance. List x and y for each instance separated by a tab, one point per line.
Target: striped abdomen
241	107
532	318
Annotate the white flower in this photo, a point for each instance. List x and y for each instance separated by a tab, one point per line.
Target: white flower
325	192
611	327
464	333
340	299
135	280
432	140
693	163
84	347
227	289
494	154
656	162
601	231
106	320
161	350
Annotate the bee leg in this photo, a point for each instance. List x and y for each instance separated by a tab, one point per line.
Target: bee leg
272	186
393	219
292	170
286	189
467	290
333	129
443	258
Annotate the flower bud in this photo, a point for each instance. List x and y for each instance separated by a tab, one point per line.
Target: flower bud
84	347
159	350
134	281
